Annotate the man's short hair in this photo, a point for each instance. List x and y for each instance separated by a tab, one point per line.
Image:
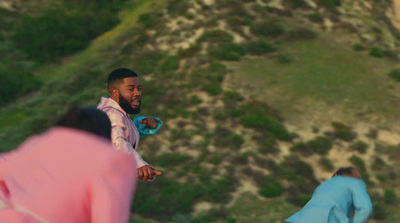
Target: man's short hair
117	76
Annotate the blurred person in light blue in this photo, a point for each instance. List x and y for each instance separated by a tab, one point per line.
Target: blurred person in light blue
341	199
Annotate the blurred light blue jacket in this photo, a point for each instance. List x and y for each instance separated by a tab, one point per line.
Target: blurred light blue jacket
333	202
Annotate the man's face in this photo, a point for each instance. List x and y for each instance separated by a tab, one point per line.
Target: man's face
130	95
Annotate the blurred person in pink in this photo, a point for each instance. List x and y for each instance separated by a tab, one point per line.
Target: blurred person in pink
71	173
125	99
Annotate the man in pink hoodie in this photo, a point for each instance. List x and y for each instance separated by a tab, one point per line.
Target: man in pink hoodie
125	99
71	173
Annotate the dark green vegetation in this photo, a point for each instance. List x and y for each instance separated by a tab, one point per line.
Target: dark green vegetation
320	145
64	30
395	74
16	77
47	36
220	136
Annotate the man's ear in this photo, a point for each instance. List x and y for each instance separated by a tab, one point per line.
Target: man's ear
113	93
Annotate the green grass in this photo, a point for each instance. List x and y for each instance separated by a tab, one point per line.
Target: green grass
103	42
10	118
249	208
134	219
323	71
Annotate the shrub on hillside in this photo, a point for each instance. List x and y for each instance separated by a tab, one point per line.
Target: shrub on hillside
326	164
223	137
331	4
360	146
358	47
238	15
203	174
267	29
195	100
170	63
378	211
231	98
320	145
171	159
146	62
6	20
166	197
381	177
212	88
358	162
149	20
265	123
219	190
395	74
376	52
182	134
293	168
390	197
209	78
284	58
227	51
295	3
15	83
215	72
271	189
61	32
343	132
302	148
267	144
378	163
178	6
216	36
236	22
297	196
391	54
236	141
259	47
153	93
220	115
136	43
259	116
242	158
215	159
189	52
302	34
316	17
213	215
267	163
181	218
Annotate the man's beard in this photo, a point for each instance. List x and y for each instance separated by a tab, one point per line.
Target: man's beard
126	106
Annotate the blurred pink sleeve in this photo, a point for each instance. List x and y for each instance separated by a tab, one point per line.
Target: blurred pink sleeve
111	191
119	138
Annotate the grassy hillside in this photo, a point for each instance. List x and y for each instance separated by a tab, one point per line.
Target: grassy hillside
323	72
261	102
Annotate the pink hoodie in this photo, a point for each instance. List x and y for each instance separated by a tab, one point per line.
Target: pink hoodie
124	133
64	176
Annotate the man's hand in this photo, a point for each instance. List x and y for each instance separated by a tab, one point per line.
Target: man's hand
147	173
151	123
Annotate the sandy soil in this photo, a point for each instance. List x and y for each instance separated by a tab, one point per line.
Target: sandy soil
8	4
394	14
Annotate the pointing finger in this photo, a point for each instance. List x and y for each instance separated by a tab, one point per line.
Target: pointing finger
140	174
